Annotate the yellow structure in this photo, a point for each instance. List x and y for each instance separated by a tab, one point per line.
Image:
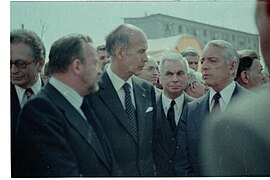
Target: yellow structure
174	43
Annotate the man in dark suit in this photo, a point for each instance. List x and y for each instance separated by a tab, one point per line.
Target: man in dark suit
125	104
58	134
174	77
27	57
240	139
219	66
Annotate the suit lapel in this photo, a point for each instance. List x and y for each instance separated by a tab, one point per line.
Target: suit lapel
110	98
140	96
163	126
75	118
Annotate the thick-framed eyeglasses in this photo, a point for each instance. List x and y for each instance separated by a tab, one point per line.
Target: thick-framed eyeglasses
20	64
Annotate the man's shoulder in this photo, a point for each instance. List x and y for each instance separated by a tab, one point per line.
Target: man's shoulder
145	84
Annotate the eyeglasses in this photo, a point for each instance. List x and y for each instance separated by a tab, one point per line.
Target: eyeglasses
20	64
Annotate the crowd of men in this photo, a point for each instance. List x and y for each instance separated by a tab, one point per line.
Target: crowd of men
115	111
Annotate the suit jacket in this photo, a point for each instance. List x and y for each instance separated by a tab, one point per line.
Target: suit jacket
55	140
188	159
237	143
15	109
165	140
133	155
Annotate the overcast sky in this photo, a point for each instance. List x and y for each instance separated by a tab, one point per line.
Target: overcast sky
97	19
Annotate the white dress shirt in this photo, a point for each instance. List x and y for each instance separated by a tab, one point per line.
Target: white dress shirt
21	91
72	96
178	107
118	83
226	95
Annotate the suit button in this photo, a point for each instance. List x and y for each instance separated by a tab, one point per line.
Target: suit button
173	138
170	161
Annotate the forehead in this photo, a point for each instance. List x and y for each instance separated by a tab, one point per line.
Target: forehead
212	51
20	50
192	58
256	64
173	65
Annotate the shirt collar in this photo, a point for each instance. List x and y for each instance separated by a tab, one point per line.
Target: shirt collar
117	81
167	101
35	88
69	93
226	93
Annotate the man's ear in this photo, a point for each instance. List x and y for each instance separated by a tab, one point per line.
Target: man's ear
76	66
244	77
40	64
119	52
233	67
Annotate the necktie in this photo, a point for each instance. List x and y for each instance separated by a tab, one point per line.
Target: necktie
216	106
130	109
93	121
170	116
28	92
85	107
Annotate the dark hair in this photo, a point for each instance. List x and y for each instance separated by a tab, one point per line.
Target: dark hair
65	50
244	64
116	38
31	39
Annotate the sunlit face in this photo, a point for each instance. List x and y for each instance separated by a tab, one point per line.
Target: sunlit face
174	78
150	72
216	72
90	70
135	55
23	77
255	75
193	62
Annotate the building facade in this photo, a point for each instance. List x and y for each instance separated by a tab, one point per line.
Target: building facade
161	26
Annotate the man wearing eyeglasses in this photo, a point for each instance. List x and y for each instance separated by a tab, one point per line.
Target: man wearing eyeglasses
150	71
27	57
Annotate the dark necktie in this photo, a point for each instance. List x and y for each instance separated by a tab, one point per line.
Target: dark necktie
216	106
93	121
170	116
130	109
28	92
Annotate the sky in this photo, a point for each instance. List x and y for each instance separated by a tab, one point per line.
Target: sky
97	19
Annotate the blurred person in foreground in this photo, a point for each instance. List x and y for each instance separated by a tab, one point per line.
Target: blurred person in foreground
249	72
219	66
125	104
238	142
58	133
170	103
27	57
